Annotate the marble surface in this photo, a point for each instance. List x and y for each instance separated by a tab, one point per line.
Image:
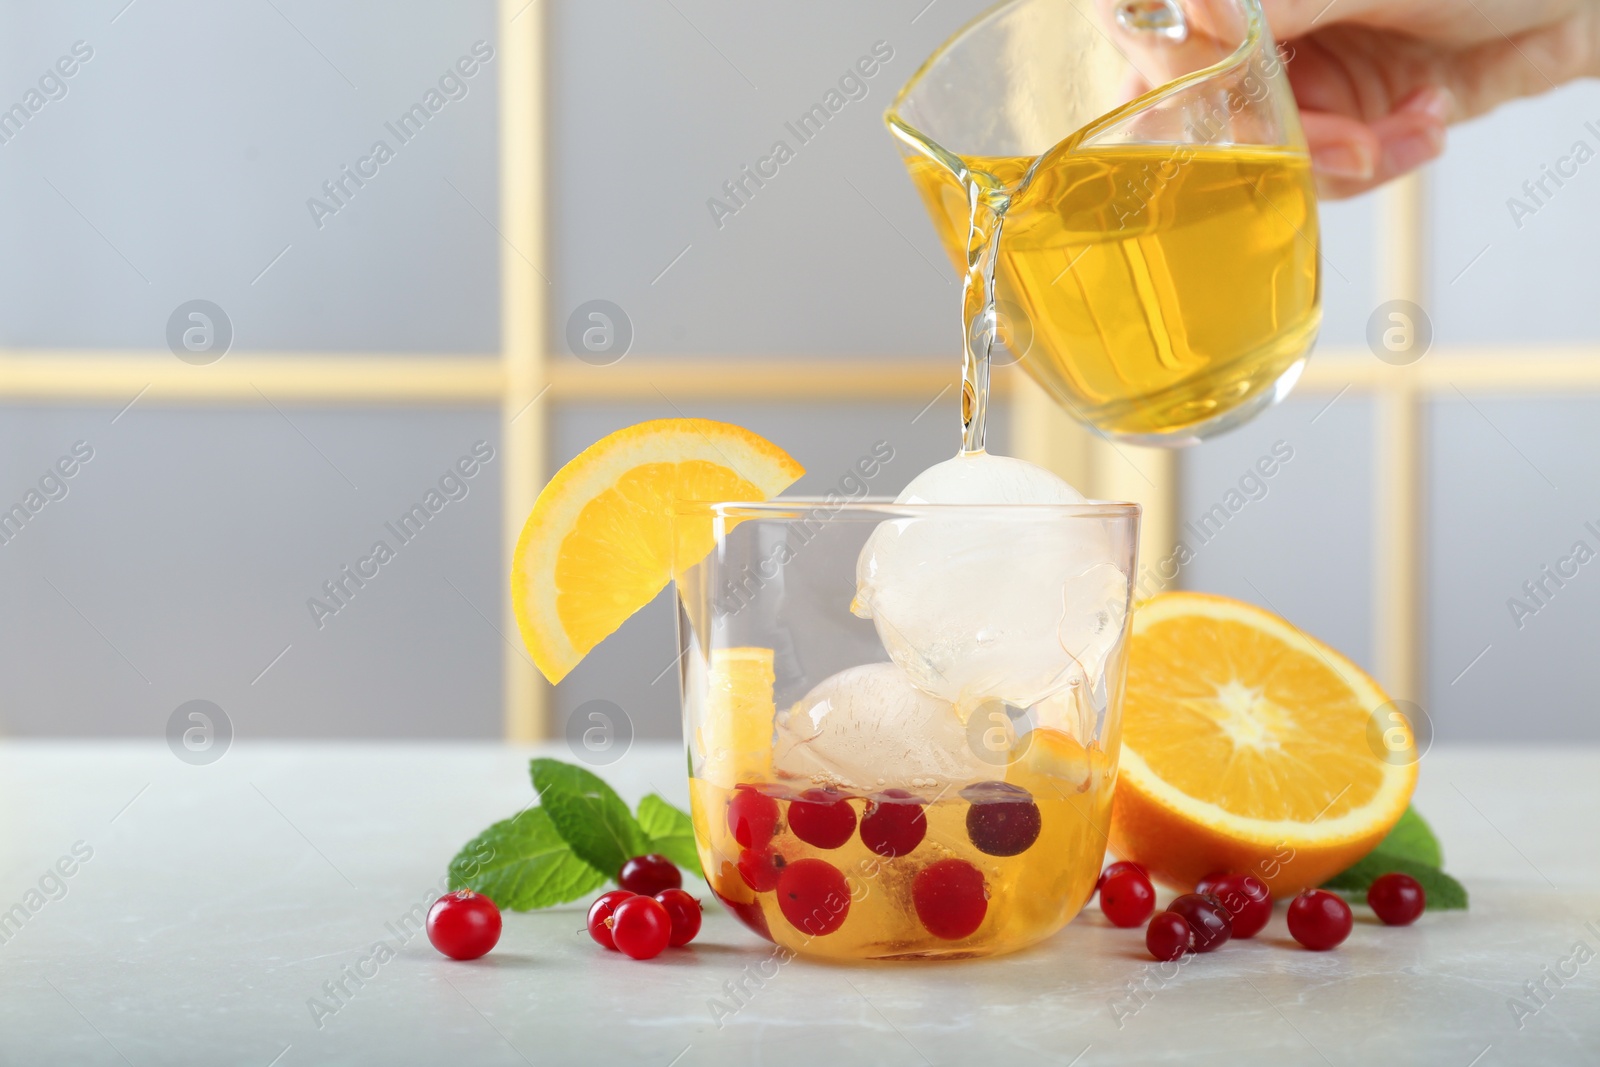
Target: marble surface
216	901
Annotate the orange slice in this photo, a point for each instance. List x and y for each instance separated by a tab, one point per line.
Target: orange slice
597	546
1245	748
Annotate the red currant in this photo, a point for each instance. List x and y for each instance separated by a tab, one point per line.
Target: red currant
1117	868
822	818
684	912
1247	899
1169	936
463	925
649	875
760	868
600	912
641	927
951	899
894	825
1398	899
1206	917
1319	920
813	896
1127	897
752	816
1002	820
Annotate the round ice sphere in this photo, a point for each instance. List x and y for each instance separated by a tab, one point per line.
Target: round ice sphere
1009	606
868	728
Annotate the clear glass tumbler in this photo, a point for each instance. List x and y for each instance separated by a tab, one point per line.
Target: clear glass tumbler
932	782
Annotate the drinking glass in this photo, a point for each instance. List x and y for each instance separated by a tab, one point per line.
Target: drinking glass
1131	183
840	808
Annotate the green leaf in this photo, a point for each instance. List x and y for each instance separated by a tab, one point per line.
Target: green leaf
1412	839
522	863
1444	892
588	815
671	833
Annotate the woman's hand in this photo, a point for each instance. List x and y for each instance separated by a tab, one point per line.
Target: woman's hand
1379	80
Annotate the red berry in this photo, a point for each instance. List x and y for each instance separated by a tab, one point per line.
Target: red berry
950	898
813	896
893	825
760	868
463	925
1127	897
1169	936
649	875
1398	899
1117	868
1247	899
1319	920
641	927
1002	820
1206	917
684	912
752	816
600	913
822	818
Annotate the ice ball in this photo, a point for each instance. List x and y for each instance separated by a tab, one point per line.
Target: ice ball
867	729
1005	607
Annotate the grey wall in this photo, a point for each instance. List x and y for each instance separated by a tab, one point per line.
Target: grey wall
179	163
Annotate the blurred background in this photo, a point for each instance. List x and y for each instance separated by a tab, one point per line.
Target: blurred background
356	305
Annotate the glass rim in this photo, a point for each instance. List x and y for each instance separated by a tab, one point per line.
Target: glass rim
807	508
1255	30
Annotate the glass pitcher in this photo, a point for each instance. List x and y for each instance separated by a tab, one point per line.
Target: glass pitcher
1128	183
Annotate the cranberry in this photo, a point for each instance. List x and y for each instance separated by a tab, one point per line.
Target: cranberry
813	896
1319	920
1206	917
760	868
600	912
641	927
1116	869
1247	899
752	816
649	875
1002	820
894	825
1169	936
684	912
1127	897
950	898
463	925
1398	899
822	818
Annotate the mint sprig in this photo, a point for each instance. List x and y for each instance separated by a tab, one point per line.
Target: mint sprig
576	841
1410	848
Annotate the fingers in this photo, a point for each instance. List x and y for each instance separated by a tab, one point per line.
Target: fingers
1350	157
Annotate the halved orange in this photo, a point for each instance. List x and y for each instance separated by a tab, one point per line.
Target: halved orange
1245	748
597	546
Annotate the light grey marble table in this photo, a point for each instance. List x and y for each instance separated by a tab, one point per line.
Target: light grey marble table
208	905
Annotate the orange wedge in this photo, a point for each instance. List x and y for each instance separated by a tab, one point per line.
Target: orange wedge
1245	748
597	546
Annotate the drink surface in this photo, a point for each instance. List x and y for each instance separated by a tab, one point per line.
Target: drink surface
942	873
1162	285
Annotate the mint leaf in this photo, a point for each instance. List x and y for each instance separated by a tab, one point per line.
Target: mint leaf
671	833
522	863
1413	839
1444	892
588	815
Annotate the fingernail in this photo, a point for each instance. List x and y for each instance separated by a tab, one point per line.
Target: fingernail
1438	103
1412	151
1345	161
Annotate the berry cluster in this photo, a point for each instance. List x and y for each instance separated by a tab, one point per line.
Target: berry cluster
949	894
1228	904
649	912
